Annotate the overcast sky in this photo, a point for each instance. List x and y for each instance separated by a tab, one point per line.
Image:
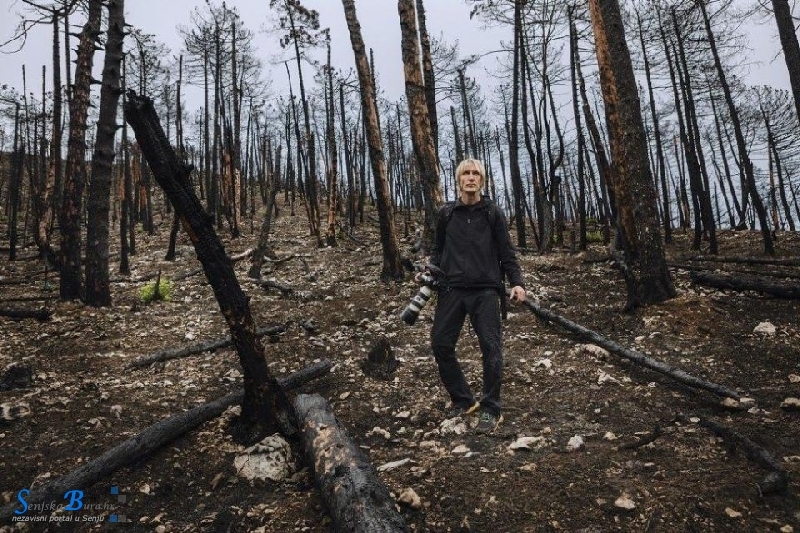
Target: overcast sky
380	27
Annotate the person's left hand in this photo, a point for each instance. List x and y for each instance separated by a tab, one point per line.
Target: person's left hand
517	294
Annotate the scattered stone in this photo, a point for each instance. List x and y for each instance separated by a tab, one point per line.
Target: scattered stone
544	363
268	459
609	436
453	426
791	404
527	443
732	513
767	328
460	449
794	378
625	502
394	464
595	350
410	498
605	377
575	443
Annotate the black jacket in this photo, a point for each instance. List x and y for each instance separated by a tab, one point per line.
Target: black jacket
469	251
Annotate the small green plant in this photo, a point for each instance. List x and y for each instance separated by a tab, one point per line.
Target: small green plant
594	236
155	291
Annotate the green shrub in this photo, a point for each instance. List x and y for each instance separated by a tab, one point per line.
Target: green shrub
148	293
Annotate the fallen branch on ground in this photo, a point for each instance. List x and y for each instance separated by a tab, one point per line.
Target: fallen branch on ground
784	261
39	314
286	290
770	274
777	481
720	281
166	355
149	440
632	355
356	498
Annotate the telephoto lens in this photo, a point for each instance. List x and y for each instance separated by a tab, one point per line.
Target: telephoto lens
411	312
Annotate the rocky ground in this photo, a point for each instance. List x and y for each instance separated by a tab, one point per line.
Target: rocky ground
591	442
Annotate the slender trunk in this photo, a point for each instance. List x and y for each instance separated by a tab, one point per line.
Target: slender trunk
422	137
741	144
98	292
791	49
75	175
392	266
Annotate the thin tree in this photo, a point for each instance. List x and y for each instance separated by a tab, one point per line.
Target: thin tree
392	265
422	137
75	172
98	292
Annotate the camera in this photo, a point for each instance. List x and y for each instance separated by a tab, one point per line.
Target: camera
429	281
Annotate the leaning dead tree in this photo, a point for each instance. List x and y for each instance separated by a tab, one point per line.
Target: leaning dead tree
265	404
632	355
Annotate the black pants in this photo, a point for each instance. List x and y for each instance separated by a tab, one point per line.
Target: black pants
483	308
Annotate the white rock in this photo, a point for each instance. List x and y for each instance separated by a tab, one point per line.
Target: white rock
544	363
268	459
394	464
410	498
575	444
791	404
732	513
766	327
794	378
625	502
344	395
595	350
609	436
605	377
460	449
453	426
403	414
527	443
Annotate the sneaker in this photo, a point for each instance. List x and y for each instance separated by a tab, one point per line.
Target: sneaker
488	422
458	410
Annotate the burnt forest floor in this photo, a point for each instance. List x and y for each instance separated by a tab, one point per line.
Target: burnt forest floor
645	462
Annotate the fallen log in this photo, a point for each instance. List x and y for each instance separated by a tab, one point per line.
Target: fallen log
39	314
766	273
357	500
784	261
233	259
149	440
721	281
166	355
632	355
267	284
777	481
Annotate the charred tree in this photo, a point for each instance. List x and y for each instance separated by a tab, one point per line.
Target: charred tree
265	405
98	292
644	265
392	265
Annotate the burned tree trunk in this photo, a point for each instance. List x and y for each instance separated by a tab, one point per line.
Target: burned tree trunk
265	404
645	268
98	292
392	265
421	127
355	497
721	281
70	281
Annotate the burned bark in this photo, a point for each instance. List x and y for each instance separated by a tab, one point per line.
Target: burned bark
356	498
761	285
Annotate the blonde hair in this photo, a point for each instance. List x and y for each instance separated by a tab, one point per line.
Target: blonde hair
477	163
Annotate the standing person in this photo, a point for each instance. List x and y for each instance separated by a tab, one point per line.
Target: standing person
473	250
